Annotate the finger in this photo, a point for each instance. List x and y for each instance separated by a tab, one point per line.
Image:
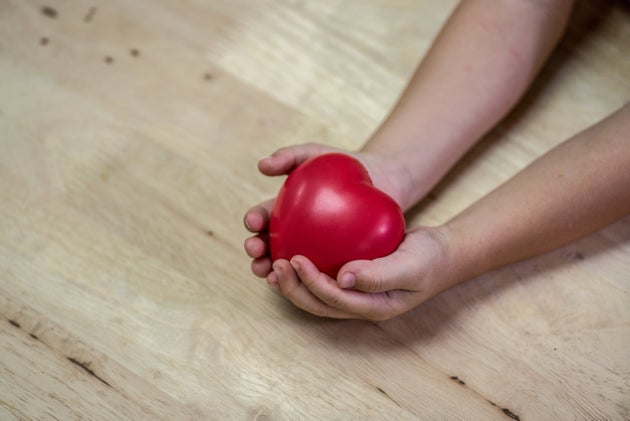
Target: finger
256	246
257	218
356	303
261	267
401	270
272	280
410	268
286	159
295	291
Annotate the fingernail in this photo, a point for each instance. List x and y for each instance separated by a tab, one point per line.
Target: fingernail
295	265
347	280
276	267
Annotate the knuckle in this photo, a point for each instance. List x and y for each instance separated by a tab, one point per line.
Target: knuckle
333	301
260	209
321	311
330	298
313	148
376	282
280	151
379	283
289	291
378	317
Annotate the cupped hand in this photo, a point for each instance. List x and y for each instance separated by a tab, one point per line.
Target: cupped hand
386	175
376	289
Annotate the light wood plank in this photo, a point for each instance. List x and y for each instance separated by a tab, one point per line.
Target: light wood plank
130	136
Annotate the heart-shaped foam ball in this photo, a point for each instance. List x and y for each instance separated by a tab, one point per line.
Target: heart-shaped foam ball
329	211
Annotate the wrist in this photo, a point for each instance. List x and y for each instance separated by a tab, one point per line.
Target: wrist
418	155
389	176
403	175
455	265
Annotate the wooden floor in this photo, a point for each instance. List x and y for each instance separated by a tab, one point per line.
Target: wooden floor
129	137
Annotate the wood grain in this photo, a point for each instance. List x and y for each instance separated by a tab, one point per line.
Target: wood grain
130	136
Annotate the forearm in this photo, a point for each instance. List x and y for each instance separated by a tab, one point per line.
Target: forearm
573	190
478	67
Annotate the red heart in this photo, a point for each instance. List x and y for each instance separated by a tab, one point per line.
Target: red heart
329	211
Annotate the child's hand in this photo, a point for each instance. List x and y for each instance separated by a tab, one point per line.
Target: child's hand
372	289
281	162
386	175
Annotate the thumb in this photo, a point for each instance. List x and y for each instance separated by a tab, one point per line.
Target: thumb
284	160
396	271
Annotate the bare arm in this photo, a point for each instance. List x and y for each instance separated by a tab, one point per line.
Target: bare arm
573	190
576	188
479	66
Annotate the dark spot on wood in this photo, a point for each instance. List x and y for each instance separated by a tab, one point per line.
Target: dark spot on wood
510	414
49	12
109	59
555	349
90	14
491	403
33	336
387	395
87	370
210	233
43	41
14	323
134	52
207	77
457	379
